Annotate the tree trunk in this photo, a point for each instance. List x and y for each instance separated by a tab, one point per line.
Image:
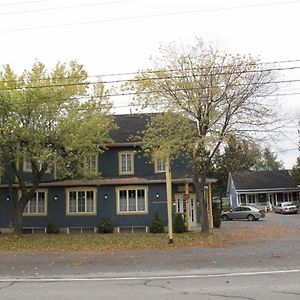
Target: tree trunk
18	219
199	189
18	210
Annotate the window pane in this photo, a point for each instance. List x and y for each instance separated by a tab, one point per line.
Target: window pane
72	201
32	205
91	163
126	162
132	200
141	200
160	165
123	200
26	208
81	201
129	163
123	163
89	201
41	202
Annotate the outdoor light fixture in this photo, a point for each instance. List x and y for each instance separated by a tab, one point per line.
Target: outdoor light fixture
105	197
157	195
55	198
8	198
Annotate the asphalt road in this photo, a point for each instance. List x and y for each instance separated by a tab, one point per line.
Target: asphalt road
266	268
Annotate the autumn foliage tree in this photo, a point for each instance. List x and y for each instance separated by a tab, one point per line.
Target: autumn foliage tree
222	94
51	119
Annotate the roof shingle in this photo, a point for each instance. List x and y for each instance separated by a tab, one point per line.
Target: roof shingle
248	180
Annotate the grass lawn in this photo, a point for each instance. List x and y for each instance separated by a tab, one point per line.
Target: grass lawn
114	242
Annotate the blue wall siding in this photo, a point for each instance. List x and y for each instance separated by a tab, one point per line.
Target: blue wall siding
108	167
27	176
105	208
109	163
5	209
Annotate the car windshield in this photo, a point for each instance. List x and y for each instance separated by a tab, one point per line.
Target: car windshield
287	204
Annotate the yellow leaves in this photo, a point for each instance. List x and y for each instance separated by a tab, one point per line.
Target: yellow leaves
119	242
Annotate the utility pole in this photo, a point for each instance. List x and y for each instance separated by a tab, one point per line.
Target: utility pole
187	205
210	214
169	200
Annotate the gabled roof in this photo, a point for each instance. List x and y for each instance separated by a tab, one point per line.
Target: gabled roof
261	180
129	127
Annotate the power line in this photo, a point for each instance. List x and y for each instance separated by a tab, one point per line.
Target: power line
20	3
176	70
134	93
61	8
144	79
149	16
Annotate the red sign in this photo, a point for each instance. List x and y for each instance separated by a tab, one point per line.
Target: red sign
186	196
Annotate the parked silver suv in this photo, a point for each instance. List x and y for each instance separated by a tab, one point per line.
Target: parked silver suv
286	208
243	212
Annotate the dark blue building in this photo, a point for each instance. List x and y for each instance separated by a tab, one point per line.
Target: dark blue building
131	189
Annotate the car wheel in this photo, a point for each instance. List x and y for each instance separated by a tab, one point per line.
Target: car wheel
251	218
225	218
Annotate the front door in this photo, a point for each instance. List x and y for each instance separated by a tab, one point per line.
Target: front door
180	207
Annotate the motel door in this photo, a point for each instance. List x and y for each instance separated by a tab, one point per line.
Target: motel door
180	207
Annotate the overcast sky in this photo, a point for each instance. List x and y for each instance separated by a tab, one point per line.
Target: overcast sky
111	36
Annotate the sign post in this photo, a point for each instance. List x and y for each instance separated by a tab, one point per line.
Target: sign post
169	200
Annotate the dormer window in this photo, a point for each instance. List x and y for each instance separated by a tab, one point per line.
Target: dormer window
126	163
160	165
27	166
91	163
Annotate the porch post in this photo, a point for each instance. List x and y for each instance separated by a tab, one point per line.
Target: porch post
210	215
169	200
187	206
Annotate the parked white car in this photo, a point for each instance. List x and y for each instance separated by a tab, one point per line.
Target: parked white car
249	213
286	208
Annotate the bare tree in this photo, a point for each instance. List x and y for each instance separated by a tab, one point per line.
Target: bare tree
222	93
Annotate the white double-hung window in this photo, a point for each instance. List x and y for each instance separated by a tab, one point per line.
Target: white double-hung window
81	201
160	165
126	163
132	200
37	205
91	163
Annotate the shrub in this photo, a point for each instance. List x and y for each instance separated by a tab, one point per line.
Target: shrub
216	211
52	228
157	224
178	224
106	226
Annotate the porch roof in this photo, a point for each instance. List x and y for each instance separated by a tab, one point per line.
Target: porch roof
111	181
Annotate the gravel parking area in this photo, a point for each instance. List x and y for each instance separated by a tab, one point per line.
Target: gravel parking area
273	225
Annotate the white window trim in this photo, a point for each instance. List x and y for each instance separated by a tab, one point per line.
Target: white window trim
132	162
156	170
131	187
27	169
25	166
85	164
81	189
38	214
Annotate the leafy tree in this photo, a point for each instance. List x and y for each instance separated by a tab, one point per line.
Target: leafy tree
267	161
238	155
53	119
220	93
296	171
